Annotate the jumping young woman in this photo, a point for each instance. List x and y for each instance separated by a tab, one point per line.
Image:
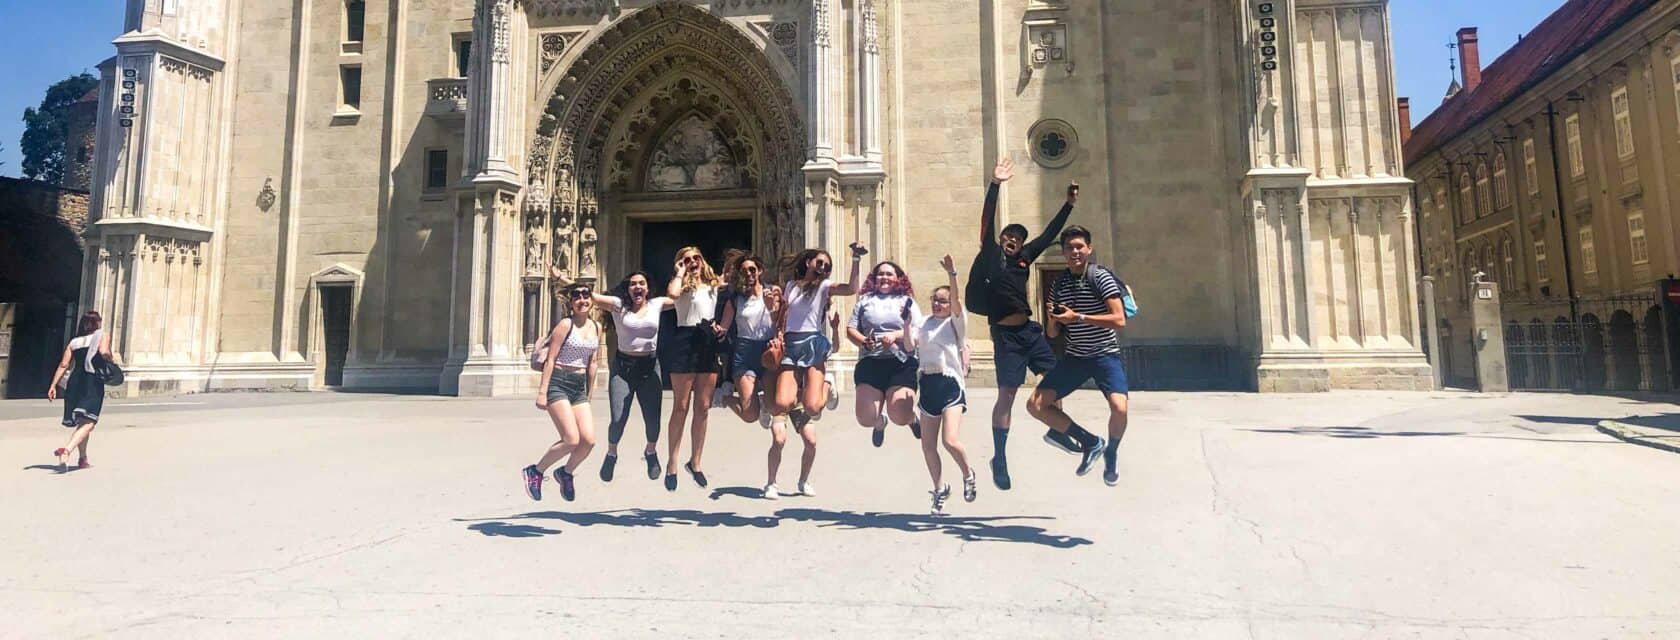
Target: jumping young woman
886	369
567	381
938	342
800	381
693	357
84	395
750	312
633	369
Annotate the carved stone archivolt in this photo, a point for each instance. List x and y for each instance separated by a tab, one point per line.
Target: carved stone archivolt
582	150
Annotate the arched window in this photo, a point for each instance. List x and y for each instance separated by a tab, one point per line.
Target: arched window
1487	262
1501	183
1466	199
1484	191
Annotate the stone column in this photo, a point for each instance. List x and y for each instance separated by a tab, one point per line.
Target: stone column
1432	329
491	252
1487	328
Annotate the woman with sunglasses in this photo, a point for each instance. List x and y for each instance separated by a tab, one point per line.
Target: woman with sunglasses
938	342
567	381
799	384
693	358
749	311
886	368
633	369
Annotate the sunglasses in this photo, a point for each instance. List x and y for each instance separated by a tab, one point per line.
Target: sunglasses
750	269
579	294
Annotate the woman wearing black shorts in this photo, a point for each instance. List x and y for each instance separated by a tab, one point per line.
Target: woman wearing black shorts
693	357
886	369
938	342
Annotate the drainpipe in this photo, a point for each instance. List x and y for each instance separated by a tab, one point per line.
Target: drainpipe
1562	216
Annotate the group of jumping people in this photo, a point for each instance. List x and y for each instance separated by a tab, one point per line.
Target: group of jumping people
759	349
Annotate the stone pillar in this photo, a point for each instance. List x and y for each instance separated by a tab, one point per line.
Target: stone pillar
491	255
1487	326
159	192
1432	329
819	85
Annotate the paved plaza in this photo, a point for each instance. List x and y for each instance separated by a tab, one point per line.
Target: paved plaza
1342	515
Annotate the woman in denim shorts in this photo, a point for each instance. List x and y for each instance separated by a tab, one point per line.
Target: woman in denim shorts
800	380
567	381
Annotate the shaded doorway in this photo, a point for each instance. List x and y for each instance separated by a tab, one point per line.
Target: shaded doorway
335	331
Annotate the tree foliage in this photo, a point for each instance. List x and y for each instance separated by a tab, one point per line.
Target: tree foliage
46	133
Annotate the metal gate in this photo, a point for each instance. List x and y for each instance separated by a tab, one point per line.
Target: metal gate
1611	344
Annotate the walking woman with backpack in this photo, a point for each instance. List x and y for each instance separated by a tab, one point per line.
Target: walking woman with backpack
564	391
84	392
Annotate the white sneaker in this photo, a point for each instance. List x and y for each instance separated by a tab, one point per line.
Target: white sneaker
833	396
807	489
771	492
939	498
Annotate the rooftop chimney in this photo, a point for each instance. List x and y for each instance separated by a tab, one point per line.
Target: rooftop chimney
1470	58
1405	105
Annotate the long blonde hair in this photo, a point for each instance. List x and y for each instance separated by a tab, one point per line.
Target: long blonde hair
705	276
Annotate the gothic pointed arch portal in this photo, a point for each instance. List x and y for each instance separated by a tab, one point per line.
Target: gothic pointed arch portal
669	108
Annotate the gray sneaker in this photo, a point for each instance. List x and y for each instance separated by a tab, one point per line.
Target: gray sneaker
1088	457
939	498
1111	468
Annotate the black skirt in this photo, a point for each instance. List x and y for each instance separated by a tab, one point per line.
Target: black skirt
692	350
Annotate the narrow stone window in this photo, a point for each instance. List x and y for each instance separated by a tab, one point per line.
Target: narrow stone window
463	56
350	87
437	169
355	13
1577	163
1501	182
1540	269
1624	123
1589	255
1636	237
1531	170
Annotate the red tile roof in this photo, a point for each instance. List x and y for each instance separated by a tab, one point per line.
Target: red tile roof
1568	32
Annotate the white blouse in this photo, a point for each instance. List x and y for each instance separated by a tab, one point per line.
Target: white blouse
696	306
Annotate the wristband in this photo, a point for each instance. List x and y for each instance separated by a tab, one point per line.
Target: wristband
951	273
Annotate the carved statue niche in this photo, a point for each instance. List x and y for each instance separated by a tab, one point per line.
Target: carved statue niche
586	245
563	235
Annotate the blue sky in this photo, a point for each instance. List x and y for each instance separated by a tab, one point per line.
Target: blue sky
44	42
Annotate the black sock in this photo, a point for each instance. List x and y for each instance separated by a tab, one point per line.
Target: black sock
1113	448
1081	436
1000	439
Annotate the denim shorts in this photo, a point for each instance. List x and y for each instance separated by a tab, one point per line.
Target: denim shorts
570	386
1072	373
746	359
805	349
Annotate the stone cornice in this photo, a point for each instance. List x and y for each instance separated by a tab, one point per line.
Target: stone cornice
151	42
153	227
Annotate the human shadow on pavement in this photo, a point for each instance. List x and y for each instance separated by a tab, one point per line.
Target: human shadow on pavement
50	467
1356	432
738	492
966	528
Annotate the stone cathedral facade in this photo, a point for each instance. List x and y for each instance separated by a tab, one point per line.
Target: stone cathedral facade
367	194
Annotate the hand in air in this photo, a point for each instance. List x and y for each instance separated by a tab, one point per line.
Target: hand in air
858	249
949	264
1004	171
555	272
1073	192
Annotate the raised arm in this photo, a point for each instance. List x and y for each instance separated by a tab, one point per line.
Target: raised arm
988	214
851	286
1037	246
959	320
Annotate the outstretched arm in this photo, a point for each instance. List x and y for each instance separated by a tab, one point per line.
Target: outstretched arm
988	214
851	286
1044	240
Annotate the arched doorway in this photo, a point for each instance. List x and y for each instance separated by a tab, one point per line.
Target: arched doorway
1623	361
667	119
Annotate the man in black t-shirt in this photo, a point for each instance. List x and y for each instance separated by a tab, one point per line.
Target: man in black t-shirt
997	287
1089	305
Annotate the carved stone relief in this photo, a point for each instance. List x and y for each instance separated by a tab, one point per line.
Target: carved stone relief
553	46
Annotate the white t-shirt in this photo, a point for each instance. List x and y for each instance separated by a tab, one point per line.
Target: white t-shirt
696	306
876	314
805	310
939	343
638	333
752	320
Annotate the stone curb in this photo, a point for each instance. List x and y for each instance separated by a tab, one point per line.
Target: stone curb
1631	434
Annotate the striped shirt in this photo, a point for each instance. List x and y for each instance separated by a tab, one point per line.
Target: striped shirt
1089	294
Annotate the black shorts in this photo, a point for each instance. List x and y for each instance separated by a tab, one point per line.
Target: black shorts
940	392
886	373
1016	349
692	350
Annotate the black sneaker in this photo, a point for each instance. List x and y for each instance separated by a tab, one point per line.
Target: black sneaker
671	482
879	436
568	489
533	482
1000	473
1111	468
1088	457
699	476
652	464
607	465
916	429
1061	441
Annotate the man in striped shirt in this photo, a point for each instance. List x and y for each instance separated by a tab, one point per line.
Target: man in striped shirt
1088	305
